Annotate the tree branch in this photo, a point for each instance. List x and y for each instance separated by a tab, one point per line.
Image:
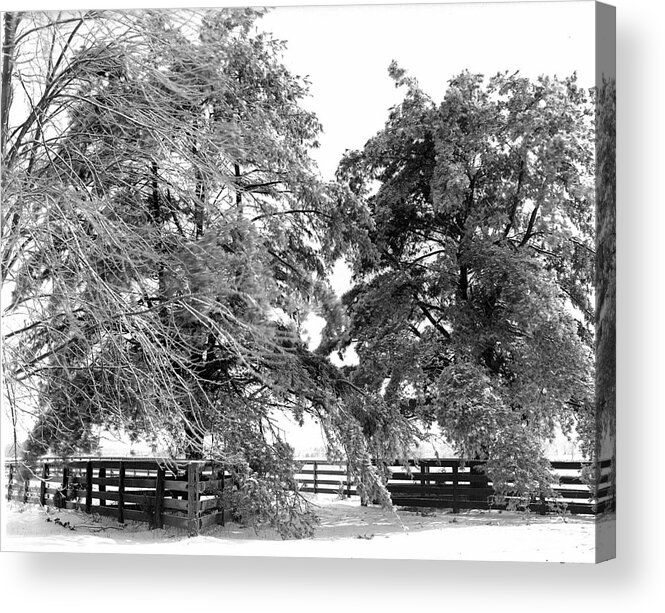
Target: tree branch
423	307
529	230
291	212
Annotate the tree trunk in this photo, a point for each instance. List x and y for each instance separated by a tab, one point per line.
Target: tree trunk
11	22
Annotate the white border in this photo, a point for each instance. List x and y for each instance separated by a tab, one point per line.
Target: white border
632	582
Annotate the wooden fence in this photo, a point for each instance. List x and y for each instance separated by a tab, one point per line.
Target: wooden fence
449	483
185	494
189	494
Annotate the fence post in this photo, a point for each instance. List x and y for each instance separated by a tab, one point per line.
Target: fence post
193	498
315	465
63	487
455	482
220	496
542	505
10	482
159	497
121	493
26	484
477	480
348	480
88	486
102	486
596	487
42	487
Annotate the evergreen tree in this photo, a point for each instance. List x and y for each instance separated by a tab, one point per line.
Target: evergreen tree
473	309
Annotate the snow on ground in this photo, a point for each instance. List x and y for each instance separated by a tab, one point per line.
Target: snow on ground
347	530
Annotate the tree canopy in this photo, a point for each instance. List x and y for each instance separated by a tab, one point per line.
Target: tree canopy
473	307
165	234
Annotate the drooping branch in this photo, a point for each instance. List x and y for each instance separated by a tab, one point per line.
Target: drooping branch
293	212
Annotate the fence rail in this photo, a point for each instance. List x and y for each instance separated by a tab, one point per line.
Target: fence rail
184	494
451	483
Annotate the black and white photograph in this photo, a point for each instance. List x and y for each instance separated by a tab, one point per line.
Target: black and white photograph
310	281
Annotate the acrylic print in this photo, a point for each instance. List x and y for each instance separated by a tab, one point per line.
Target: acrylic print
310	281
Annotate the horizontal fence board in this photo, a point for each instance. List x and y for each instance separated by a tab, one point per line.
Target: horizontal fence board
213	485
135	515
438	490
127	497
323	481
440	504
175	521
574	494
325	490
580	509
105	511
172	484
576	464
129	482
129	513
460	477
151	465
573	508
604	506
398	463
321	471
567	480
570	480
175	504
210	520
211	503
605	491
105	494
130	464
449	462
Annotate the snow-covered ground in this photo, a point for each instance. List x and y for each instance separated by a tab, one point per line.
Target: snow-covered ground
347	530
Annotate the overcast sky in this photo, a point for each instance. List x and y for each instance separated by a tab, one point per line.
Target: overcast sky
345	51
